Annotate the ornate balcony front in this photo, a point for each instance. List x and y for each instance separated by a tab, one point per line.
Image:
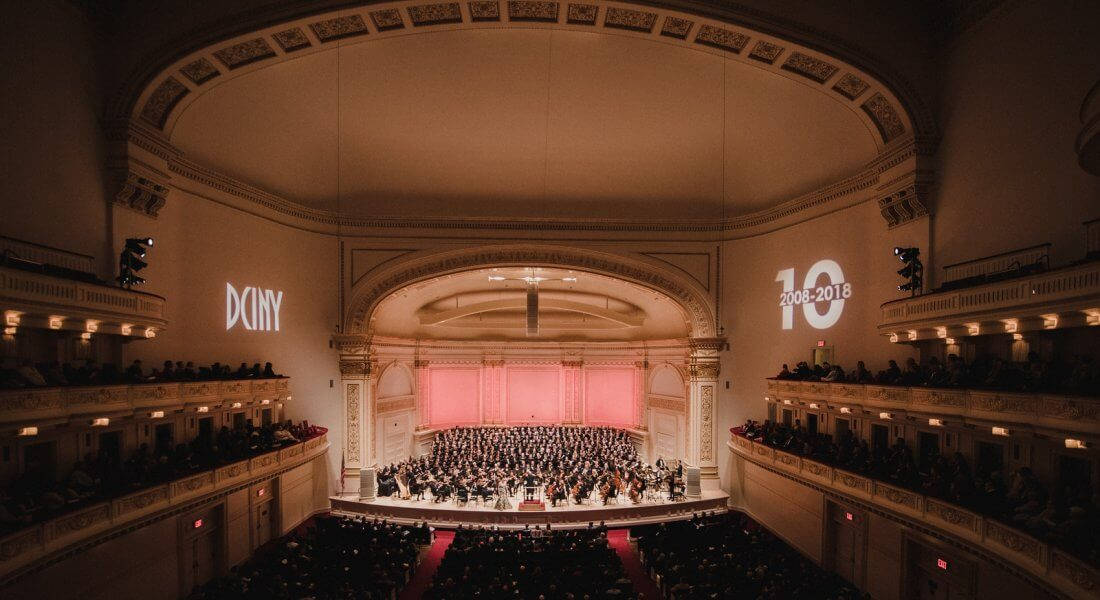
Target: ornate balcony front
29	299
1050	413
1053	567
27	407
1058	299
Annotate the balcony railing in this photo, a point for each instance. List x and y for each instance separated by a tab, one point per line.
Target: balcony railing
37	297
1070	295
55	405
1033	410
1059	569
37	541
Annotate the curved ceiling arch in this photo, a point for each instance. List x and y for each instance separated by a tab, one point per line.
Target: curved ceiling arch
669	291
205	113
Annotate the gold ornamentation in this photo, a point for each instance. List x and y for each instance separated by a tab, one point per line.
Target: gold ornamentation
706	438
634	20
720	38
1081	576
291	39
244	53
484	10
338	28
532	10
582	14
387	19
766	52
884	116
200	71
850	86
809	67
435	14
672	404
161	102
352	395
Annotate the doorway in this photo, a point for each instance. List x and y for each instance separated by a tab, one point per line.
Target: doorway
844	543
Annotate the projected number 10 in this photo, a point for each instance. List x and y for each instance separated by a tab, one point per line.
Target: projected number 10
835	292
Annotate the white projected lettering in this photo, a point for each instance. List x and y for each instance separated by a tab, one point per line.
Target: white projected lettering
833	292
254	308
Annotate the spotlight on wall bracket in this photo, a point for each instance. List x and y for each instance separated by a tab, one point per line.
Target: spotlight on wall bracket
129	261
913	270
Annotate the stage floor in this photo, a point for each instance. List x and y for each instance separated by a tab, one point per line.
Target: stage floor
449	515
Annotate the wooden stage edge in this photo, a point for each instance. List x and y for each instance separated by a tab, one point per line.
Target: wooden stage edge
447	515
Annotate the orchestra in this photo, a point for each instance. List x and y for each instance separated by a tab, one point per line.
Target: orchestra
559	464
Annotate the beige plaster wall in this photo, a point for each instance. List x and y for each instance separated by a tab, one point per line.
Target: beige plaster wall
1011	93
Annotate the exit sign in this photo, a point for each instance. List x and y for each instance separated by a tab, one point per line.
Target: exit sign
197	524
941	563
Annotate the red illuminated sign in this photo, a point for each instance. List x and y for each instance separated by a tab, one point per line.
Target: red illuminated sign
849	516
260	492
941	563
820	343
197	524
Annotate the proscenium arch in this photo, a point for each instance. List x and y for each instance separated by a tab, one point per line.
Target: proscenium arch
422	266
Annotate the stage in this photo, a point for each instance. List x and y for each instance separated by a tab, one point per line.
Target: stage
449	515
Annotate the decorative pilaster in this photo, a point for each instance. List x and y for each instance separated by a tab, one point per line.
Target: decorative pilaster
423	393
573	390
355	391
492	374
641	380
703	369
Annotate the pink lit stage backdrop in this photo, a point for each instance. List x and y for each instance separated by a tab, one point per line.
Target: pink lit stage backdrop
518	393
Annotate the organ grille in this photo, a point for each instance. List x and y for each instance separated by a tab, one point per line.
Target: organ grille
532	308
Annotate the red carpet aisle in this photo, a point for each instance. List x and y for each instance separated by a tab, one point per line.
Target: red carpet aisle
617	538
422	577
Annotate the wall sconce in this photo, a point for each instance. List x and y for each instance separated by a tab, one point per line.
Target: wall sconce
265	401
912	334
950	341
1050	321
1076	444
1018	337
973	328
91	326
288	398
236	405
1011	325
1003	431
10	330
894	338
203	409
935	422
126	328
156	414
787	402
150	332
885	415
941	332
813	405
101	422
28	431
55	322
845	410
11	318
86	336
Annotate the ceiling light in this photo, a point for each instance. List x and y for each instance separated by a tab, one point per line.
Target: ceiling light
496	278
569	279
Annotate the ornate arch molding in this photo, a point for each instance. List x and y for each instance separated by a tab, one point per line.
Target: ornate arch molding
142	113
369	292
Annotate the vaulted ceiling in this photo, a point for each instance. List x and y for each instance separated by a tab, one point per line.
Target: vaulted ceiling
523	110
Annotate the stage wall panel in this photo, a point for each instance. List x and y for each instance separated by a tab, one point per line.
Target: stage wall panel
609	396
455	396
534	395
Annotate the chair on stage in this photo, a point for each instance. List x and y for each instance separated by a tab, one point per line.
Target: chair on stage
462	497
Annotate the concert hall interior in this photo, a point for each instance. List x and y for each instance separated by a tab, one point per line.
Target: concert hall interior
540	299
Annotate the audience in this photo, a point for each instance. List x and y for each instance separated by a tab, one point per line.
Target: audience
1078	376
530	563
337	558
729	556
28	374
37	496
1065	516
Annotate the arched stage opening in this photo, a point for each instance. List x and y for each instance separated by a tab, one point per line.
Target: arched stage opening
443	339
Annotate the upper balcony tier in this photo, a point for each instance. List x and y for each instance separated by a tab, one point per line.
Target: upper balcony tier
1038	412
38	300
47	406
1058	299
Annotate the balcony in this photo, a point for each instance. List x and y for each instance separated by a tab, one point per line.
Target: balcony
1051	413
76	405
1058	569
1058	299
30	299
37	542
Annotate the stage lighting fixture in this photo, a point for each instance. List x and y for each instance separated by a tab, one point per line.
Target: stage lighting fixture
913	271
129	261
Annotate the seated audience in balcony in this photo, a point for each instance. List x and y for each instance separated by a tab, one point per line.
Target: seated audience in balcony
335	559
1076	376
1065	517
27	374
730	556
35	495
